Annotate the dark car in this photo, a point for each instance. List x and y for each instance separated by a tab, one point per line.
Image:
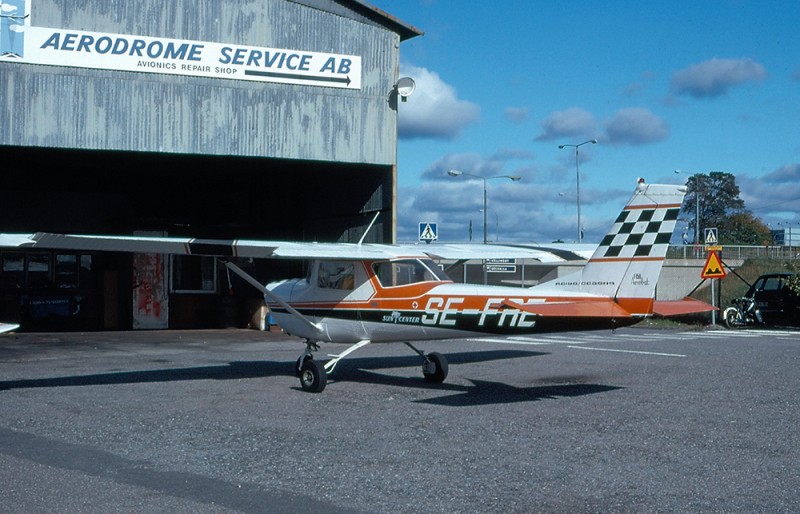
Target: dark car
779	305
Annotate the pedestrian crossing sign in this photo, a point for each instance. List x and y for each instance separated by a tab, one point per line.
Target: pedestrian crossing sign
428	232
713	267
711	236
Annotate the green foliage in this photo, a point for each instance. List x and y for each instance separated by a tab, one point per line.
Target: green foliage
721	207
794	282
742	228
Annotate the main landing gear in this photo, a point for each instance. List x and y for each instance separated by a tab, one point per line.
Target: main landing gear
314	375
434	365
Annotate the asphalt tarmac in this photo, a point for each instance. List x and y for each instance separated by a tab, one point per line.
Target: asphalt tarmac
639	420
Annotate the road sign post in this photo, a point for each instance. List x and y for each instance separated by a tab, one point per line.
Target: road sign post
712	270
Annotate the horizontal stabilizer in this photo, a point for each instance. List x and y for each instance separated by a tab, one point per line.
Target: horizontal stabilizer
581	309
678	307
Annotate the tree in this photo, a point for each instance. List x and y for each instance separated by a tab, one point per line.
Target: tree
742	228
794	280
721	207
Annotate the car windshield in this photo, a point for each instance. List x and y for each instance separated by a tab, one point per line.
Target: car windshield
407	271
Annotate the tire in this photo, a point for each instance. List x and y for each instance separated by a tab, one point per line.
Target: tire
440	371
313	377
732	317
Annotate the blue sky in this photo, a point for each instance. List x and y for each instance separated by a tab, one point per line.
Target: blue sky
687	85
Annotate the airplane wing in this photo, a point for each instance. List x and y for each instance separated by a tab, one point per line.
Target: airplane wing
678	307
582	309
207	247
543	253
293	250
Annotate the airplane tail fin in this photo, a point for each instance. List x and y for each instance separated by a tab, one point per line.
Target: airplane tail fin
627	263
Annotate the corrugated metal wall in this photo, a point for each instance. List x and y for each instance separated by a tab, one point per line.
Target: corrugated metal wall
111	110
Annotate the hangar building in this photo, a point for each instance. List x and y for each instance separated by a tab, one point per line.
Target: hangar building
260	119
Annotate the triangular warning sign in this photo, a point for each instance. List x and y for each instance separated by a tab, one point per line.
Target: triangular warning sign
713	267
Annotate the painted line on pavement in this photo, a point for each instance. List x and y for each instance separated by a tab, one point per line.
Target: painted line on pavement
627	351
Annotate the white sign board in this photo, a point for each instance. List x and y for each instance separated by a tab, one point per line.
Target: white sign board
22	42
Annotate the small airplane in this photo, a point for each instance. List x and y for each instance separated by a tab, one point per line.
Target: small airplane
373	293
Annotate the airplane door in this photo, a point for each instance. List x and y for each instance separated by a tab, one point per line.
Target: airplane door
150	291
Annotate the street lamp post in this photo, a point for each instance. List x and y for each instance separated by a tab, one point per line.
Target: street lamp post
456	173
578	181
696	206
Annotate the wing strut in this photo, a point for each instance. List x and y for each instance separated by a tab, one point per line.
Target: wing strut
272	296
369	227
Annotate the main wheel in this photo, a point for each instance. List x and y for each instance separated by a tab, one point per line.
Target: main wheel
732	317
313	377
435	369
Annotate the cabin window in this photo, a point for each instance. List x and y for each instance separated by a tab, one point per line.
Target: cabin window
193	274
336	275
401	273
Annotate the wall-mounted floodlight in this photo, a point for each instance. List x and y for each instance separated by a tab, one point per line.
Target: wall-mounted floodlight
405	87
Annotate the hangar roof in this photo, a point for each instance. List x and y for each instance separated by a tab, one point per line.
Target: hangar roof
405	30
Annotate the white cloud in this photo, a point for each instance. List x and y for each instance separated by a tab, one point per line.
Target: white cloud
570	123
775	196
476	164
517	114
635	126
715	77
434	111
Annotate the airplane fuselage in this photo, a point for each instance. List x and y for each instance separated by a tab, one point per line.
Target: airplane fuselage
420	311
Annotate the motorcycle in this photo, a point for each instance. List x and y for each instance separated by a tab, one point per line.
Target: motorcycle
744	312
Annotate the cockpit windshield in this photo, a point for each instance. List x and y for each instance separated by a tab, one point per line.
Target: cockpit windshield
408	271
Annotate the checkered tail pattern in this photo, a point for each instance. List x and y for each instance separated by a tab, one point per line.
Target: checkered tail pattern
639	232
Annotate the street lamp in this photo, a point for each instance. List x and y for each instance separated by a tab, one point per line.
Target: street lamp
578	181
696	206
456	173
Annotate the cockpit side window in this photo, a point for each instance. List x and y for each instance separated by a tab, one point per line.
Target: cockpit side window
405	272
336	275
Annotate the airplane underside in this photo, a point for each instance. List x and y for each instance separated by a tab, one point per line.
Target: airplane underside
398	327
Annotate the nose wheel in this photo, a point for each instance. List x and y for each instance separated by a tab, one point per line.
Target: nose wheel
313	377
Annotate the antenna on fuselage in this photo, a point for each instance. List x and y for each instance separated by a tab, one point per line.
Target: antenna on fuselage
374	219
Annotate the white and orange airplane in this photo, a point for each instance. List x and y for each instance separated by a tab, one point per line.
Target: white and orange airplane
371	293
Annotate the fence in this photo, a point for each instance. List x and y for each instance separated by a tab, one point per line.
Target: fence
736	252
